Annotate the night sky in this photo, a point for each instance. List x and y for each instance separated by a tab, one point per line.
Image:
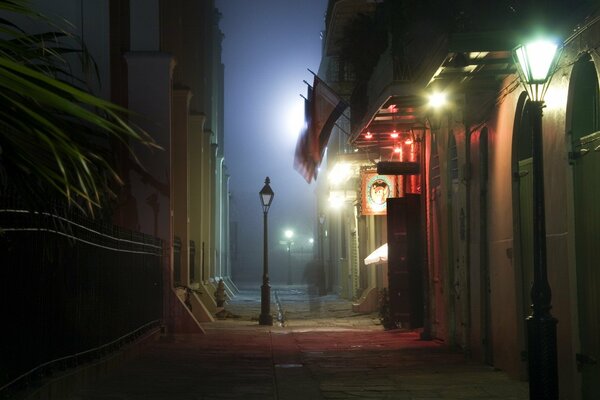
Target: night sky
268	46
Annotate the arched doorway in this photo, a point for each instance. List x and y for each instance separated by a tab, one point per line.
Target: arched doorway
456	248
523	217
480	247
584	101
439	324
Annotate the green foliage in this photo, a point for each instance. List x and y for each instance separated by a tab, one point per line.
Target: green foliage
54	136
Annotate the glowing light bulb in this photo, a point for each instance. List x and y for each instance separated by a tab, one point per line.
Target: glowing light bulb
437	100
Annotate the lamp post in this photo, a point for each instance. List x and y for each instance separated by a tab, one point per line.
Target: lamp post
289	234
536	62
266	198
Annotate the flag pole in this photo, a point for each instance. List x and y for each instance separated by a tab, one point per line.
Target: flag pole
328	87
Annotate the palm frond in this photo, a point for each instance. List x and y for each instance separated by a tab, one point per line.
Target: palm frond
54	133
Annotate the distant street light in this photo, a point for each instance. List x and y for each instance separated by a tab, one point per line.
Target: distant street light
266	198
536	62
289	234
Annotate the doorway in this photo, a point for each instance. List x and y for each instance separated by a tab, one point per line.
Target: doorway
585	135
457	249
523	215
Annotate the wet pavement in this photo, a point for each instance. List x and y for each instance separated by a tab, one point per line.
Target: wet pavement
322	350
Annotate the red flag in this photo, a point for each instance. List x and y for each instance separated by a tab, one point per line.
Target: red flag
322	107
326	108
303	162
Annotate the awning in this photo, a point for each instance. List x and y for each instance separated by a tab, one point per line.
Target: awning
379	256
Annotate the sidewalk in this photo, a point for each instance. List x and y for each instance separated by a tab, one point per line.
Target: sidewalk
323	351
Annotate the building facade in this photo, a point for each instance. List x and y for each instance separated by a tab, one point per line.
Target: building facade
162	61
459	219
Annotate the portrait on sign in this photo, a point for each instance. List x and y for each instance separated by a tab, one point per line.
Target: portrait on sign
375	191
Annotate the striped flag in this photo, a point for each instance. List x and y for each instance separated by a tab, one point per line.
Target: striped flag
323	106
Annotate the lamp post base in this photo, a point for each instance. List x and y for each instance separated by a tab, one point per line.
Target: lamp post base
265	317
543	373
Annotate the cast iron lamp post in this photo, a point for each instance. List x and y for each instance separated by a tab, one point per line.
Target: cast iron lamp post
266	198
536	62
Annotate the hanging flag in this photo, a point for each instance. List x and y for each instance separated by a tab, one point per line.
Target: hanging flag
322	108
303	162
326	108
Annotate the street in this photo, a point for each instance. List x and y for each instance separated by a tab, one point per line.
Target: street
322	351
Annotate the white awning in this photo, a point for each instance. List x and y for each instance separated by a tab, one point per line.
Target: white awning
379	256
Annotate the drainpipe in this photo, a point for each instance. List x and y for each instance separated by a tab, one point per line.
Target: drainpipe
467	181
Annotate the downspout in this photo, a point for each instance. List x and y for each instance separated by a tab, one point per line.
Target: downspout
484	253
467	181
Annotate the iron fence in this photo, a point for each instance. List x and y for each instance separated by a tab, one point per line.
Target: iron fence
71	289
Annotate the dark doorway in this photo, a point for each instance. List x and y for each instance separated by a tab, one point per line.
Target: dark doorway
405	259
585	128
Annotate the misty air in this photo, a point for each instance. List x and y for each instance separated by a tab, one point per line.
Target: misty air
323	199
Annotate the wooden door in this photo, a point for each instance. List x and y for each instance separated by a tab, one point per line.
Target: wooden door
405	261
526	233
439	303
457	249
587	231
585	100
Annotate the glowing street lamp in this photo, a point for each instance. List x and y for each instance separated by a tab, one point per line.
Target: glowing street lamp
437	100
266	198
536	62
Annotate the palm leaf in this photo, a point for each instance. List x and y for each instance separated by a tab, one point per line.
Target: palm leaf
54	134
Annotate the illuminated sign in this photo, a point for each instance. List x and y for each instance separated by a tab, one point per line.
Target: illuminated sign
375	190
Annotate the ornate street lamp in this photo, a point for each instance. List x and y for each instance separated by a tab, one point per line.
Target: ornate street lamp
536	62
266	198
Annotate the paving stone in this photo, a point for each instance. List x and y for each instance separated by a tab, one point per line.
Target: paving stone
322	351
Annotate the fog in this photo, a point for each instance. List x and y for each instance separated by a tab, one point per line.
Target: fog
267	49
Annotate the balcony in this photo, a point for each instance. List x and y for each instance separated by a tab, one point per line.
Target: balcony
397	81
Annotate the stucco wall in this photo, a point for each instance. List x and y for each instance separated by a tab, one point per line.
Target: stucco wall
507	327
503	296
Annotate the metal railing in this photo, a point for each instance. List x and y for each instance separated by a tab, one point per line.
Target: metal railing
71	289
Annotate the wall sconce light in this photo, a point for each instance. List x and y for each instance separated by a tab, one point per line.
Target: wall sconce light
437	99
